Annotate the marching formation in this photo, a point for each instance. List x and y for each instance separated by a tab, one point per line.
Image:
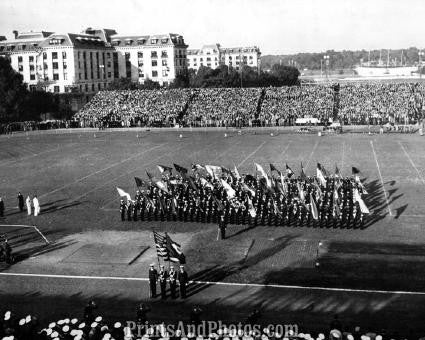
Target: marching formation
214	193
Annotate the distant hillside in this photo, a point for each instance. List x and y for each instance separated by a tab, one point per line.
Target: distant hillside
339	60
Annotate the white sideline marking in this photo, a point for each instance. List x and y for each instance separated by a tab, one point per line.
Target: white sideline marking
145	279
382	181
311	154
251	154
411	162
101	170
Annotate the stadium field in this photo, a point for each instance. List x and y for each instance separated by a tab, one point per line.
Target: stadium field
376	270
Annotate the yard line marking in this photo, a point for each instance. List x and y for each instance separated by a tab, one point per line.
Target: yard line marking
382	181
251	154
27	157
311	154
342	160
235	284
411	162
101	170
284	150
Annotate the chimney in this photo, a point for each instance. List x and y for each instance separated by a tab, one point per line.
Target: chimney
15	33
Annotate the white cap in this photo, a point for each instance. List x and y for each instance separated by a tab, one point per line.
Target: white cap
28	318
93	325
98	319
74	321
81	325
55	334
21	322
52	325
49	331
117	324
66	320
7	315
65	328
61	322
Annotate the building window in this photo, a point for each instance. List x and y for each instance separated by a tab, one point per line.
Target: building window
208	59
154	63
32	76
154	74
139	55
92	87
141	41
65	76
21	68
154	54
54	55
31	59
64	65
164	54
55	76
20	59
108	64
84	55
87	87
141	74
63	55
55	66
109	74
32	88
44	55
79	76
127	56
31	67
164	62
154	41
98	86
56	89
164	73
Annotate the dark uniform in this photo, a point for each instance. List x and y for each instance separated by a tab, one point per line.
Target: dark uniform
88	311
183	280
173	282
162	278
141	314
20	201
1	207
222	227
153	277
122	210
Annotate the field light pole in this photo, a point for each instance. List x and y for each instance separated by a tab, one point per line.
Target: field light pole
421	53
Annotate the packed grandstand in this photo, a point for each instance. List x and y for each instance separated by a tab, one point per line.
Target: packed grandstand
352	104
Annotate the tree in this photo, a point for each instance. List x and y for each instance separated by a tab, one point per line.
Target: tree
123	84
286	75
12	90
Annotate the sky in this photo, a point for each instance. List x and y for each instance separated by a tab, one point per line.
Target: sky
275	26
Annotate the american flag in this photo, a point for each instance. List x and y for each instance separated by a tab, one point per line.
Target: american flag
161	245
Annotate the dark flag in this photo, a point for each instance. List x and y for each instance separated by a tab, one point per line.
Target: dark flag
150	176
289	171
175	253
303	177
337	172
218	203
140	183
161	245
355	171
273	168
192	183
182	171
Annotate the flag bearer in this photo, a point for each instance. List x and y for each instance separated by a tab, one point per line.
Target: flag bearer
173	282
122	210
183	280
162	278
153	278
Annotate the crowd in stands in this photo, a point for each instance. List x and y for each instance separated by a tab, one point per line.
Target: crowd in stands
353	103
158	108
223	107
93	326
282	105
381	103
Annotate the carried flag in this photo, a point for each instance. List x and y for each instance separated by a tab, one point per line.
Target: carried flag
160	244
313	208
163	168
197	167
140	183
175	253
182	171
263	173
301	194
303	177
205	183
337	172
320	175
358	198
246	188
237	175
214	171
273	168
122	193
355	170
231	193
289	171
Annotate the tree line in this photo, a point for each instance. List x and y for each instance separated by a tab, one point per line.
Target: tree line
342	59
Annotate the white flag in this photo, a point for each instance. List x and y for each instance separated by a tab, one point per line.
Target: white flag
122	193
229	190
363	207
237	173
213	170
321	177
263	173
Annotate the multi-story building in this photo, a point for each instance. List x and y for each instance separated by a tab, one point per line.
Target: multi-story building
160	58
87	62
214	55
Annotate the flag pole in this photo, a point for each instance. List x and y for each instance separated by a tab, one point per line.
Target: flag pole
157	256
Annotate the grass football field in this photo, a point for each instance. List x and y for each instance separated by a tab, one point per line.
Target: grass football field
75	176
